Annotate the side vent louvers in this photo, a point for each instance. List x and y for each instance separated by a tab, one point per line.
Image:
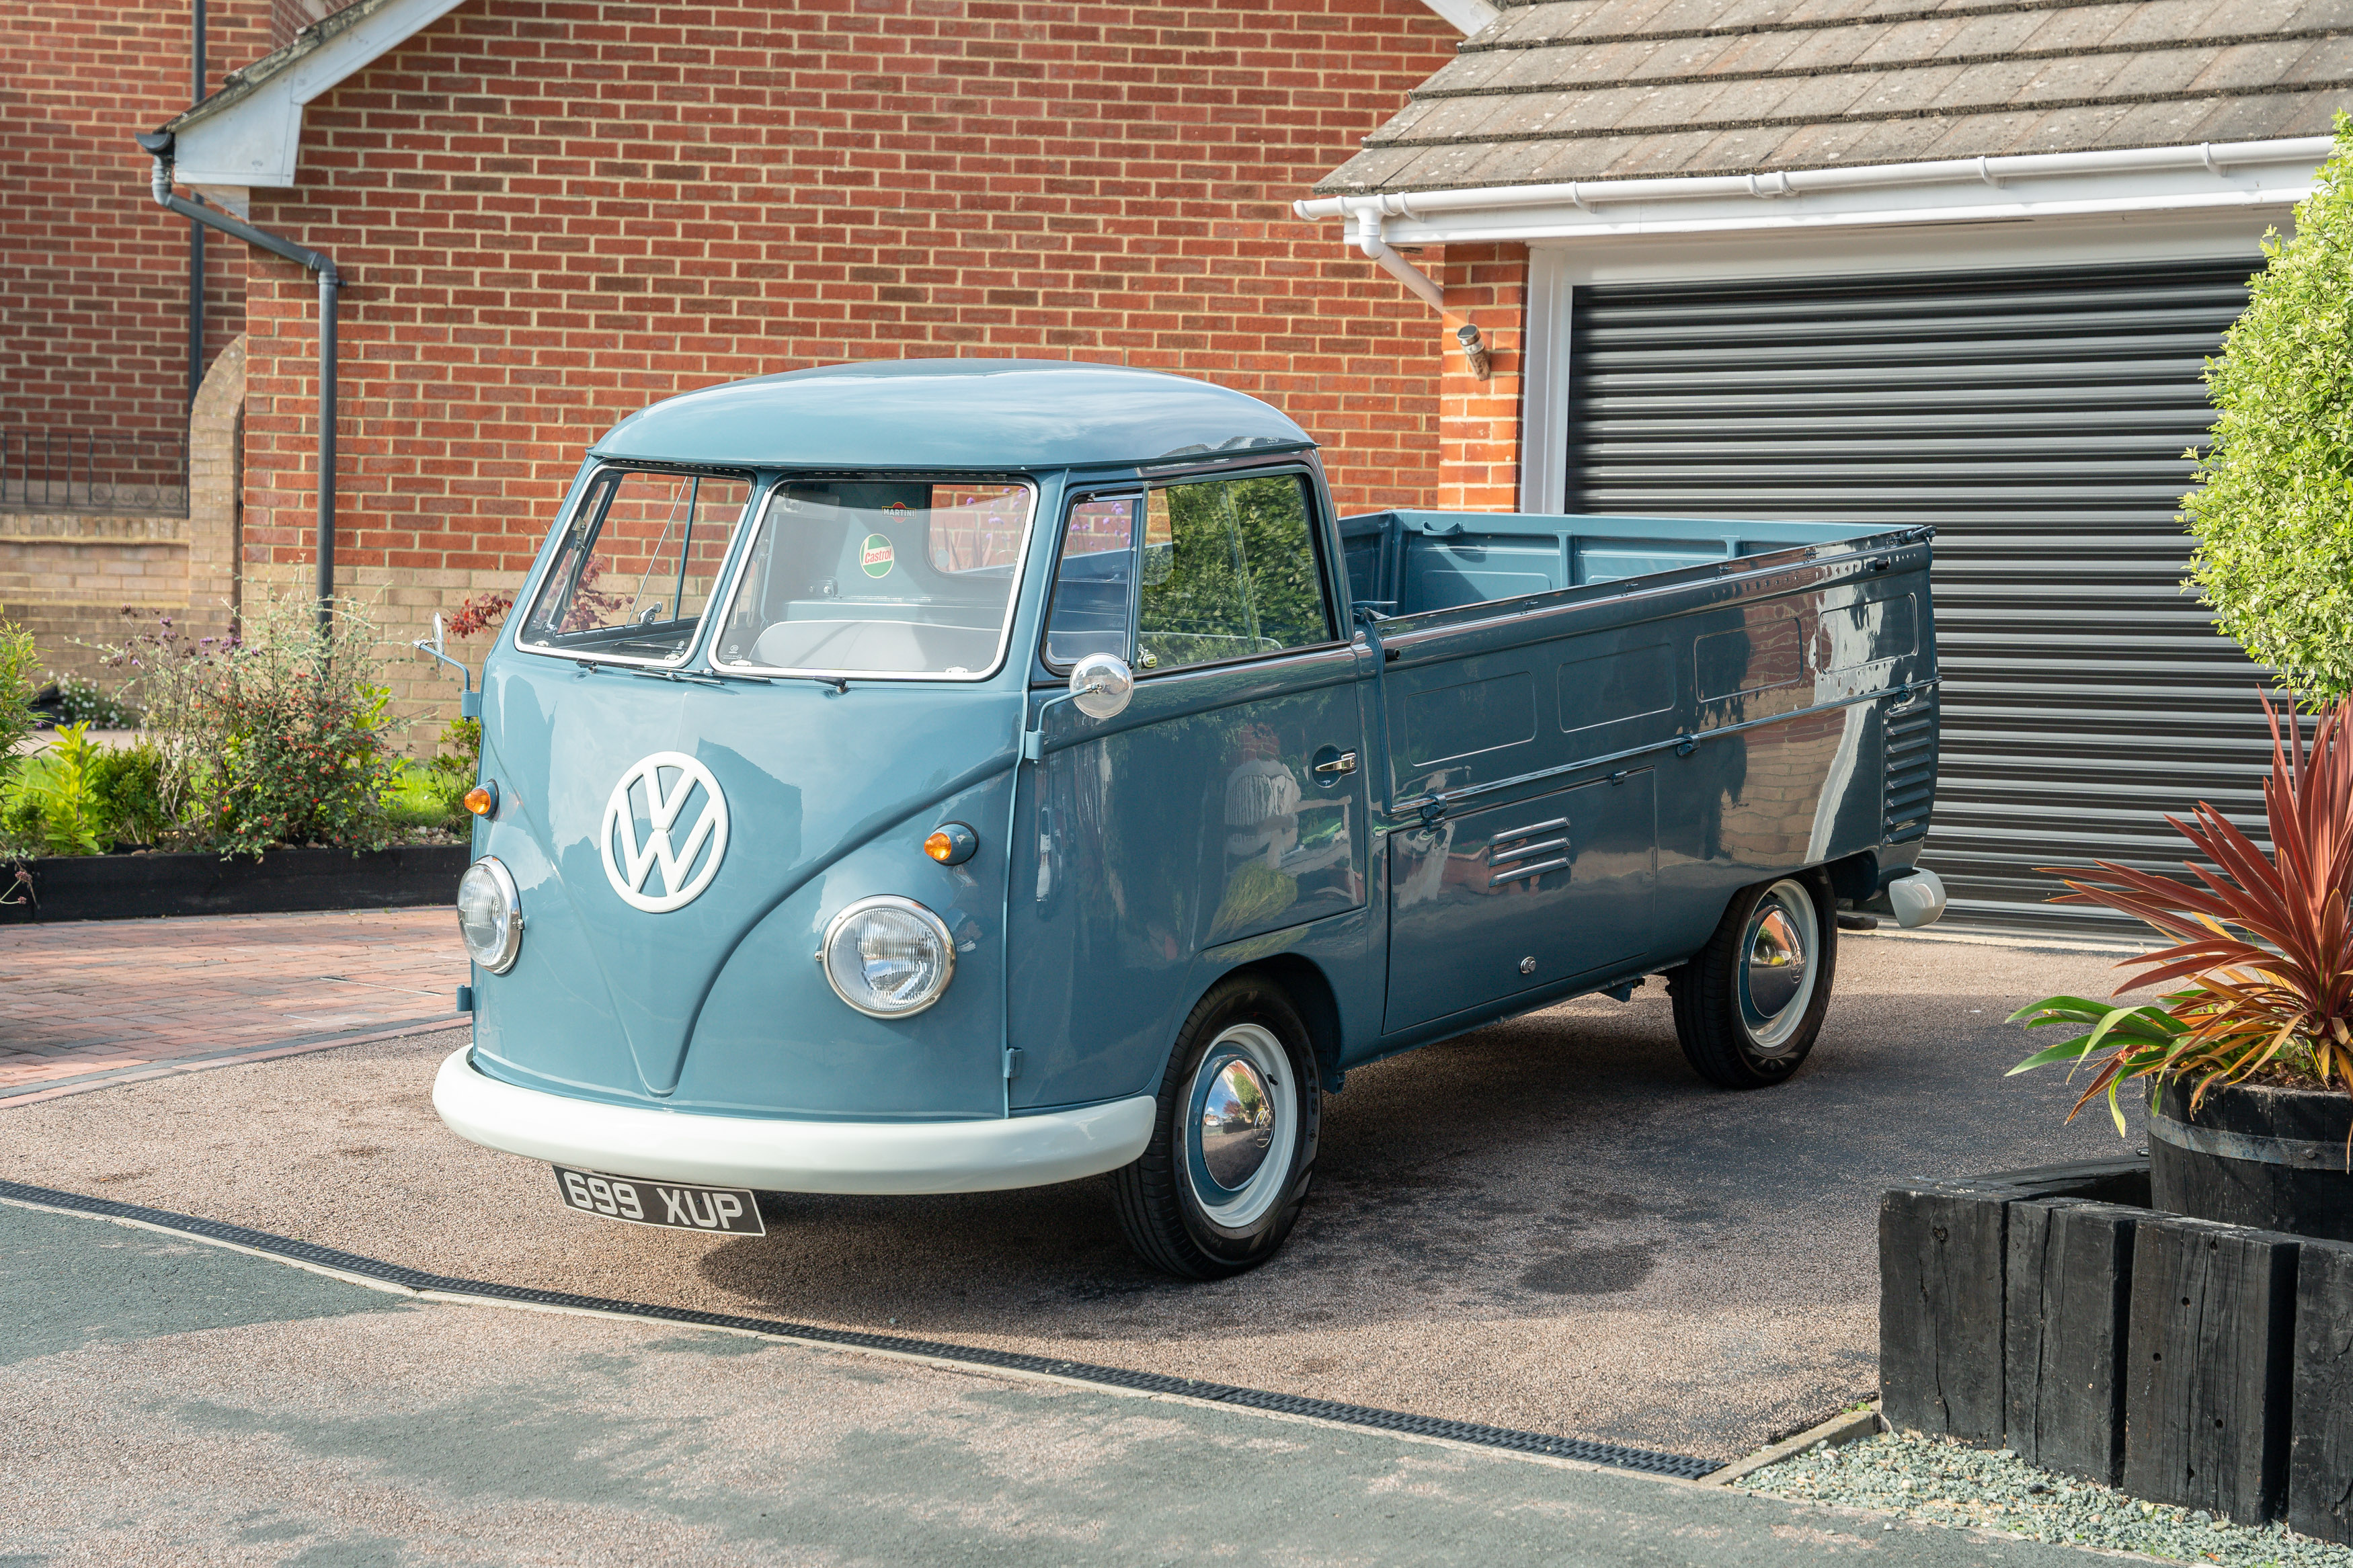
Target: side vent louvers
1911	787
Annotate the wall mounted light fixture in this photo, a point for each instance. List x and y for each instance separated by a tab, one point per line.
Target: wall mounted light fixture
1482	364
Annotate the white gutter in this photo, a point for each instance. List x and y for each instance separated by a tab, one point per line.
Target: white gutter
1586	196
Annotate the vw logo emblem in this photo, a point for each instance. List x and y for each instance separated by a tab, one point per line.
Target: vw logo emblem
661	788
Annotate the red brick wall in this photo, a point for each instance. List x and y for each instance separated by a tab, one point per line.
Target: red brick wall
1479	439
553	213
93	275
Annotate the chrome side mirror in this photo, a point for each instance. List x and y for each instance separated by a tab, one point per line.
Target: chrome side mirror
469	701
1101	685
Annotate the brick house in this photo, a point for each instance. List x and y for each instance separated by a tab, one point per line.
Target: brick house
548	216
1956	263
96	367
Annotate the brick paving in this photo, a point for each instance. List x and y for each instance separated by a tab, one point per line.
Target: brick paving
90	1002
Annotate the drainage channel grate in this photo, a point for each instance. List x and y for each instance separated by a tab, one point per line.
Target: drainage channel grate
1680	1466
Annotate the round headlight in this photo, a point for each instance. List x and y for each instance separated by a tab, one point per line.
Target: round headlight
489	916
888	957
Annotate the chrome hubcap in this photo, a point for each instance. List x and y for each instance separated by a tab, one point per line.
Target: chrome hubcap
1777	966
1237	1126
1241	1121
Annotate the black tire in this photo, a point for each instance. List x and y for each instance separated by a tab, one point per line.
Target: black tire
1159	1198
1728	1036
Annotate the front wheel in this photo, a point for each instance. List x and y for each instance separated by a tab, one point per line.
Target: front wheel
1233	1146
1749	1004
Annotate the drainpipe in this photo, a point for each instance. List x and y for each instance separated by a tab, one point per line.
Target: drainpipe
158	145
196	231
1369	240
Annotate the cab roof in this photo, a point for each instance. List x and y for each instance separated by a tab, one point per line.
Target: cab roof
991	414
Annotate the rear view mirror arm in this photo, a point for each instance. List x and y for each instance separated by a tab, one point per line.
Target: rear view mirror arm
469	701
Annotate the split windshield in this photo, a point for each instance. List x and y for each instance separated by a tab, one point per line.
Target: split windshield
879	577
637	566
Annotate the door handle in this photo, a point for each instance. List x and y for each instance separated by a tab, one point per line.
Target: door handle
1345	762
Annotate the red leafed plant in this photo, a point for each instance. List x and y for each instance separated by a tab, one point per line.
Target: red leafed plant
480	614
2267	943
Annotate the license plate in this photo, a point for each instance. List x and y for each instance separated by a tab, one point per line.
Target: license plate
732	1210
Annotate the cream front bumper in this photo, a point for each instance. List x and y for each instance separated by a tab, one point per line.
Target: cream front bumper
773	1155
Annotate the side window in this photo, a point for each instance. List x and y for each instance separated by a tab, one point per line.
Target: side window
643	552
1091	585
1229	571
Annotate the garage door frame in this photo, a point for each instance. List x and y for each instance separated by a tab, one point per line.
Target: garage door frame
1558	270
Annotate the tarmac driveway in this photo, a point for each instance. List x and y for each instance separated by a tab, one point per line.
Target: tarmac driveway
171	1404
1548	1225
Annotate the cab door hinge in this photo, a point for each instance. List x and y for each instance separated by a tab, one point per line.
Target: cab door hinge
1012	1063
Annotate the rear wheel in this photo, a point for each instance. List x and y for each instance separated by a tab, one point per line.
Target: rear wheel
1233	1147
1749	1004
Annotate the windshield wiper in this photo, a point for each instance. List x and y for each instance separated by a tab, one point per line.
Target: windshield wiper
840	683
593	665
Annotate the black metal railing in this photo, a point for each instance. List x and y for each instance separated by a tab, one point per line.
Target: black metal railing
75	471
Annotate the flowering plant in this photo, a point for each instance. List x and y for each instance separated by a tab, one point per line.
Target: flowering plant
303	738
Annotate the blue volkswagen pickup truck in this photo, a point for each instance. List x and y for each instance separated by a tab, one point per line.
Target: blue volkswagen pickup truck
948	775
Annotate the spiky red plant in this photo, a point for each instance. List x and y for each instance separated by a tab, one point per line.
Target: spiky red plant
2265	943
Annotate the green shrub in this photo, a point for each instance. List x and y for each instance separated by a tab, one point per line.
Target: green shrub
129	784
2273	508
77	797
55	805
20	808
432	793
464	758
303	741
16	692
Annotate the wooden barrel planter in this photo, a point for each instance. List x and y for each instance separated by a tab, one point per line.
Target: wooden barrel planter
2272	1159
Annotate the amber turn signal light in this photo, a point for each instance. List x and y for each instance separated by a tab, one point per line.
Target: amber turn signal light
952	844
483	800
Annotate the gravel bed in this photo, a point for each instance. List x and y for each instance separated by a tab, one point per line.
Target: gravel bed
1943	1482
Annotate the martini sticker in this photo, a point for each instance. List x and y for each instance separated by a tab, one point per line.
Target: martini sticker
875	555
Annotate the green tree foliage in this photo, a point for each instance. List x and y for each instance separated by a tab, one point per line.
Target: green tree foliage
2273	508
1228	571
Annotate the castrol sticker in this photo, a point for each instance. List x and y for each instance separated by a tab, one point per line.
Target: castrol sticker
875	555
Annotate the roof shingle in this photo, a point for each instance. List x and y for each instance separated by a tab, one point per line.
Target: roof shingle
1598	90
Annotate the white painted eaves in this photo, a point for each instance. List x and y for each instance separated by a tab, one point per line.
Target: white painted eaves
250	132
2210	177
1466	16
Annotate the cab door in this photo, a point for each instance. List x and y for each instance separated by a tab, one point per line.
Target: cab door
1227	802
